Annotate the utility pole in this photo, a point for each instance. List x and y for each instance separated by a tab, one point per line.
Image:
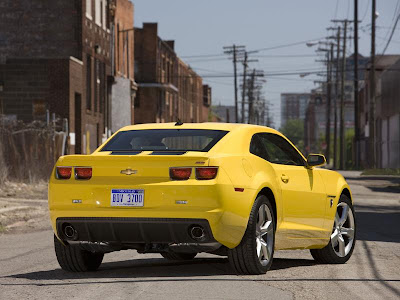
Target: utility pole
342	144
372	90
244	84
251	93
356	119
245	63
342	96
328	96
235	51
336	100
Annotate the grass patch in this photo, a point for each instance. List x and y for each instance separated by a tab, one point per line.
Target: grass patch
2	228
381	172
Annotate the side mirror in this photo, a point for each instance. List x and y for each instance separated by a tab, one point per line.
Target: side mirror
315	160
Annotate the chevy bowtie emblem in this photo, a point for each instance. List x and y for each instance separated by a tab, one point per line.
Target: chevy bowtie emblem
128	172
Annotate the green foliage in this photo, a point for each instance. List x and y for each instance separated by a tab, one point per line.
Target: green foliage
294	131
349	137
395	172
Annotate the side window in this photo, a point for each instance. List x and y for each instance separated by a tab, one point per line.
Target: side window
279	151
257	148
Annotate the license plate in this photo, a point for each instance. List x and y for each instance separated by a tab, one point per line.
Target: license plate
127	197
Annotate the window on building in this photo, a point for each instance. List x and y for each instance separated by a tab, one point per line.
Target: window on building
96	84
137	102
89	9
101	13
136	68
97	12
88	82
104	14
102	87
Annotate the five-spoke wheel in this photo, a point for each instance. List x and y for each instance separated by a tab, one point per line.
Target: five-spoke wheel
343	237
264	234
255	252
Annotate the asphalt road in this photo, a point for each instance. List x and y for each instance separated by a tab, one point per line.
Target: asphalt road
29	270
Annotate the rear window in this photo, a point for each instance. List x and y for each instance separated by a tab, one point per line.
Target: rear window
165	140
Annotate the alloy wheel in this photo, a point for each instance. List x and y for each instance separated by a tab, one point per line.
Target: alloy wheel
342	237
264	234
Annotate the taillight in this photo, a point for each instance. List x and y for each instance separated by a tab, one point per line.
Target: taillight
206	173
180	173
83	172
63	172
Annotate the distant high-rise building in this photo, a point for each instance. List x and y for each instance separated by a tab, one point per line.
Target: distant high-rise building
293	106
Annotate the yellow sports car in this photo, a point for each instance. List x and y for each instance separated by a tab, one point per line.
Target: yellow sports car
176	189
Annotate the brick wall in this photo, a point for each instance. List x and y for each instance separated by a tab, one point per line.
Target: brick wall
46	28
177	89
146	48
124	39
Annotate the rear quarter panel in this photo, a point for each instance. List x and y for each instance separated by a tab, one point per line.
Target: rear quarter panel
246	171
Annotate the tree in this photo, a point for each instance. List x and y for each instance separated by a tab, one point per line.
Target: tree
294	131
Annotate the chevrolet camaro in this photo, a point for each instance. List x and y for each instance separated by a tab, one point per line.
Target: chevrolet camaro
235	190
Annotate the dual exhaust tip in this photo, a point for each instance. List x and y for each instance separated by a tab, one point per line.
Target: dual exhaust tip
196	232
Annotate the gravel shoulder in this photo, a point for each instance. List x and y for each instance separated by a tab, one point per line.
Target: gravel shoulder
23	208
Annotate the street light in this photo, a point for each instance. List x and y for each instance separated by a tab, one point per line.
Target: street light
311	44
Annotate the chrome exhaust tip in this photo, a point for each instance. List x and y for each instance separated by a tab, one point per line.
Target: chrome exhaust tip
70	232
197	233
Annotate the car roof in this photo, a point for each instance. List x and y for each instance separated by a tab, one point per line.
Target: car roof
206	125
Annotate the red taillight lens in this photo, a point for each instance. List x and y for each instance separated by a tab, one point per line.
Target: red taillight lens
206	173
83	173
180	173
64	172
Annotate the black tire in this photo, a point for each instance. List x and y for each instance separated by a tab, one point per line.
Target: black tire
328	255
73	259
244	258
178	256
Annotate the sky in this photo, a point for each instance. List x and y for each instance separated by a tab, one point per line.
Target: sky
202	28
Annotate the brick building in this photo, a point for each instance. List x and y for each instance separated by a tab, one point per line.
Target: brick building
55	57
124	86
206	102
387	114
168	88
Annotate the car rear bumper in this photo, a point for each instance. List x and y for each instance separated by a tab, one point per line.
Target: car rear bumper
225	210
127	230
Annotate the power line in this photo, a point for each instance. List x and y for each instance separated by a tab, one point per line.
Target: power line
216	55
366	11
391	35
202	55
286	56
336	9
287	45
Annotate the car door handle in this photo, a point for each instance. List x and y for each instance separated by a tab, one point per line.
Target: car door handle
285	178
